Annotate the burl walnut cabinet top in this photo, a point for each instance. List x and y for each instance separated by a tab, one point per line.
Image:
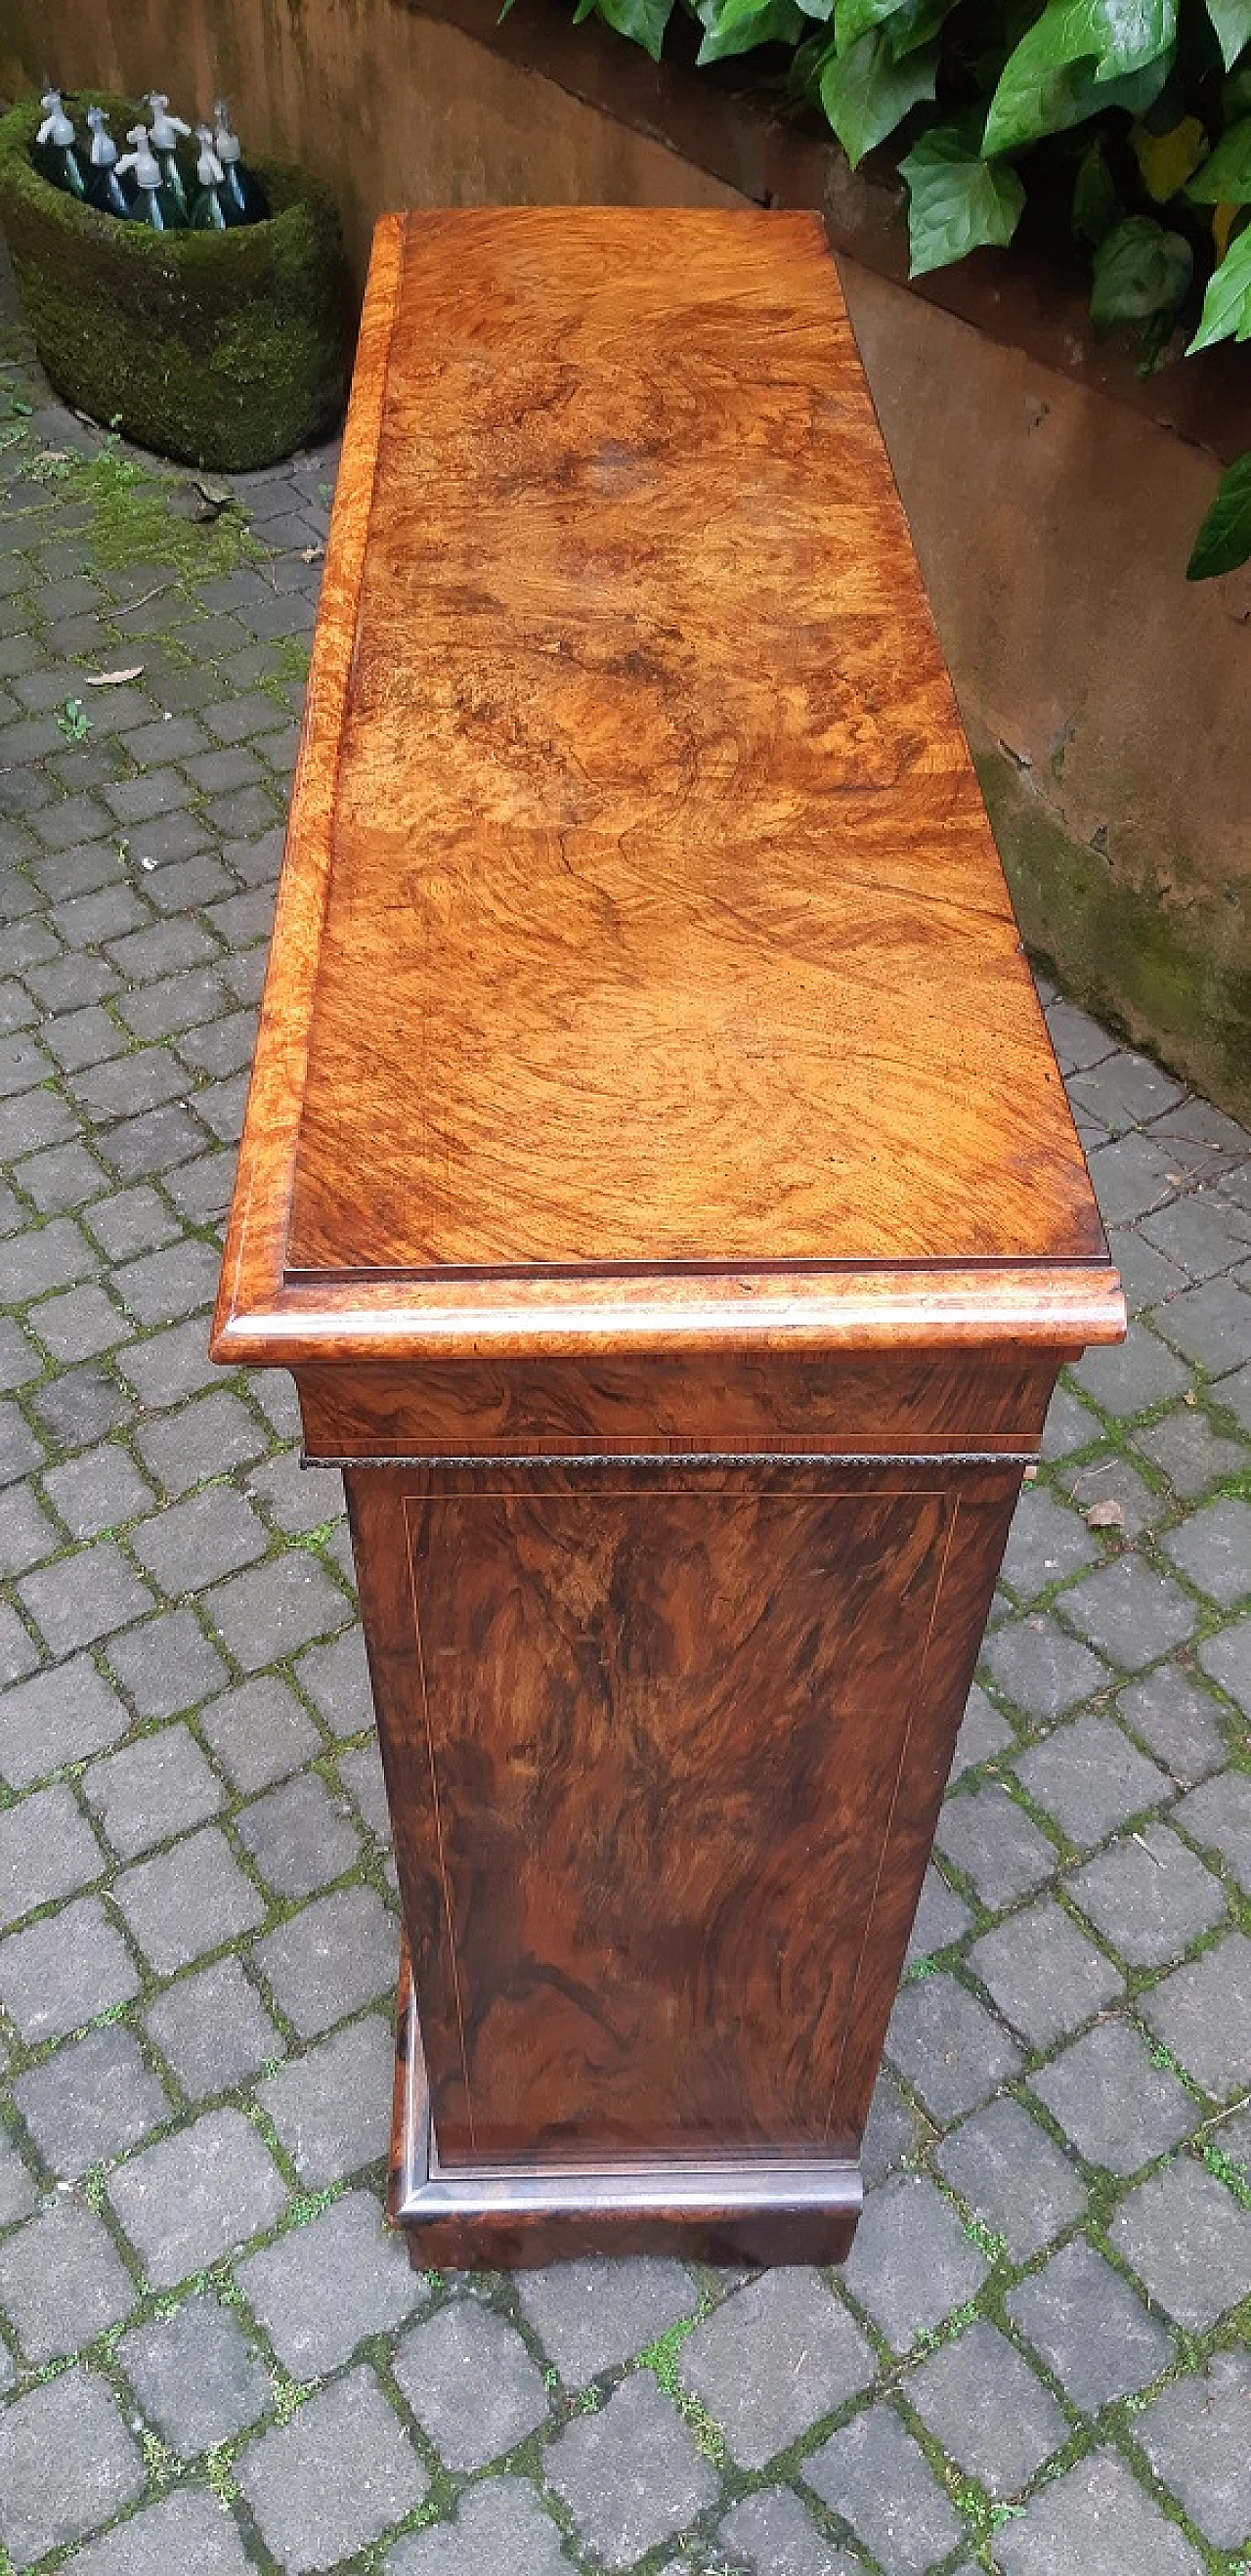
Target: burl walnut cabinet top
644	968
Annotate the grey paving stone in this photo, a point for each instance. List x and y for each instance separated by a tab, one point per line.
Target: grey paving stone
333	1956
19	1449
79	1325
941	1917
892	2133
1119	2110
988	1836
332	2107
87	1036
297	1497
1146	1275
771	2535
1089	2327
877	2478
336	1679
298	1838
1042	1973
911	2262
18	1653
63	1970
189	1899
1130	1376
588	2315
213	2029
47	1850
1096	2520
190	1544
63	1176
1016	2181
206	1438
150	1790
54	1256
1203	2014
26	1533
1195	2436
309	2514
196	2374
259	1732
1202	1233
1188	2240
360	1769
772	2359
144	1080
499	2525
166	1664
983	1734
160	1286
273	1610
1191	1454
1131	1177
1149	1897
80	1406
983	2403
1213	1547
154	1142
1212	1325
1040	1667
1046	1544
190	2198
1233	1394
1218	1815
471	2383
1228	1660
97	1491
631	2474
84	1597
184	2530
19	1361
1131	1613
67	2465
37	1118
949	2047
1091	1778
1179	1724
89	2101
18	2195
62	2281
322	2288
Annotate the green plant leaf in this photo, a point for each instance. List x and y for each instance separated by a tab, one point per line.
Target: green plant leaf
1232	21
1096	205
1166	161
1078	57
1226	311
957	202
866	93
1225	177
1224	539
1141	273
914	24
644	21
817	8
734	26
853	19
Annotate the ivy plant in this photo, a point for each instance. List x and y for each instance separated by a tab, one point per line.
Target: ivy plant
1117	131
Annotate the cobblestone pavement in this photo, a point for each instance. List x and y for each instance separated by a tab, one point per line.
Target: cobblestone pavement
213	2356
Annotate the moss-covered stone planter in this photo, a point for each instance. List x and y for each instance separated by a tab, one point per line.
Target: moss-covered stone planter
226	350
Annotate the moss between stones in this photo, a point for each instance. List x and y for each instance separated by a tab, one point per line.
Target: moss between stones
1126	955
225	350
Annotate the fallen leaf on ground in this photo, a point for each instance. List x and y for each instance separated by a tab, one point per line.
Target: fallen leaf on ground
311	554
1105	1516
113	679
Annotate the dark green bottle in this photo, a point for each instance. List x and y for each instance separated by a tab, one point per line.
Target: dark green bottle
56	152
240	189
104	188
164	142
152	202
208	215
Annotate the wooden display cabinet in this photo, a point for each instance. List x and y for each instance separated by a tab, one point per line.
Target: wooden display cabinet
658	1179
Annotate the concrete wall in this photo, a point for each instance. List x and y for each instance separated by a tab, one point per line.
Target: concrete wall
1105	700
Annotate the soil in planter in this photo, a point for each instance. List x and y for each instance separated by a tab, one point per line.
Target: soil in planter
225	350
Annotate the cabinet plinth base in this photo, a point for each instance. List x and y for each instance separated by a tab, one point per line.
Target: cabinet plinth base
729	2210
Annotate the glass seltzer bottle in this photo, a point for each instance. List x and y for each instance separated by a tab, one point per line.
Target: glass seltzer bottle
241	189
208	214
152	202
55	149
164	139
104	188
